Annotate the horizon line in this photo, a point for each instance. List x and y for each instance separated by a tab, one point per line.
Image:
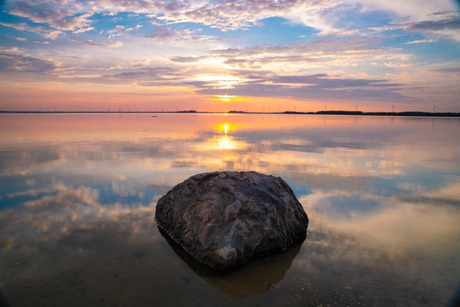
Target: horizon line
323	112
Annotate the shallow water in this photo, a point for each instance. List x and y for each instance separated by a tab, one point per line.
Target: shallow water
78	196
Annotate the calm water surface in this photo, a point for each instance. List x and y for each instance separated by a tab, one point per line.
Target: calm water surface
78	196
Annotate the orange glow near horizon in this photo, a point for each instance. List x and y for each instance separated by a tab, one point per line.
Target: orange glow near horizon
225	98
134	98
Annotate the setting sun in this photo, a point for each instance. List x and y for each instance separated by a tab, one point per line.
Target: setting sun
225	98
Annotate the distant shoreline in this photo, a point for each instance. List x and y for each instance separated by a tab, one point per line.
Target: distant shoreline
338	112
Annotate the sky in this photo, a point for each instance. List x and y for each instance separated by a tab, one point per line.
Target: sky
256	55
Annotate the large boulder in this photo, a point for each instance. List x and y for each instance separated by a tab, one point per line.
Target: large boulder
224	219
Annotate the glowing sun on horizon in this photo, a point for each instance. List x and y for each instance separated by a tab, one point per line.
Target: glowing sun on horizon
225	98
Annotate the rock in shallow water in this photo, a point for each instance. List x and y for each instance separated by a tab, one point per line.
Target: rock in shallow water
225	219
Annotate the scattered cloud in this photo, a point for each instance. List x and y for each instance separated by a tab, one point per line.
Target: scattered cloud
386	28
449	70
129	30
120	30
186	59
231	15
153	76
409	10
358	46
116	31
168	33
163	33
436	25
421	41
319	88
448	28
16	60
93	43
50	34
21	39
445	28
53	13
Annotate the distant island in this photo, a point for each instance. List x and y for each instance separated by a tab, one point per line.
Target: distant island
331	112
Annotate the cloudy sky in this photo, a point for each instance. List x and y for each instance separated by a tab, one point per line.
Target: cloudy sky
216	55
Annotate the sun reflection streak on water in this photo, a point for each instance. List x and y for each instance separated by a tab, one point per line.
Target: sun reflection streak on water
225	141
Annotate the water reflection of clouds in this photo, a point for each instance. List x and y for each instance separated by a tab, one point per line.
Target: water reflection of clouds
329	155
447	193
419	232
307	151
382	200
386	248
393	238
43	222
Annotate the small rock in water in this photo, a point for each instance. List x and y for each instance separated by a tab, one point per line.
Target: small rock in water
225	219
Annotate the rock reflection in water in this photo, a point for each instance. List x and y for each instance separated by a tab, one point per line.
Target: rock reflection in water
253	278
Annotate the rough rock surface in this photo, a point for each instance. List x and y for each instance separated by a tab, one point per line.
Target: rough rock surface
225	219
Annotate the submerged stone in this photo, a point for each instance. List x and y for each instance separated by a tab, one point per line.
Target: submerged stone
225	219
